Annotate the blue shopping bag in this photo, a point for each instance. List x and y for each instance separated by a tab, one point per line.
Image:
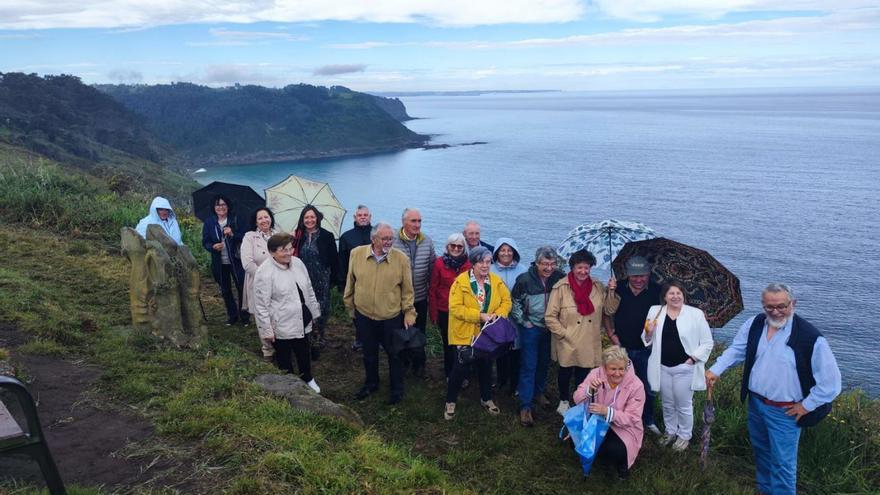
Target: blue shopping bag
587	432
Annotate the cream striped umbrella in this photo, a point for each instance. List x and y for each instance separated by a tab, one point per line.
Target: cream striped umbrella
288	198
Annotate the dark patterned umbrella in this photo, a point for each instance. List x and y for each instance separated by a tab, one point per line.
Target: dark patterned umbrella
708	284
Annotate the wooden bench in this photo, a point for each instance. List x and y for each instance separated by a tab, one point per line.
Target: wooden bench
14	440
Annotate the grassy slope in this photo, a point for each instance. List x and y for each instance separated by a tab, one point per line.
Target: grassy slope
70	292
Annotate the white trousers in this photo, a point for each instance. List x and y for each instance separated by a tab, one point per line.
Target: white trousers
677	399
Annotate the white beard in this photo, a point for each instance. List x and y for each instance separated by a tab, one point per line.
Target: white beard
777	323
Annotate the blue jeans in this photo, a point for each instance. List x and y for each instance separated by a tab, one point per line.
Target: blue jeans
533	364
639	358
774	437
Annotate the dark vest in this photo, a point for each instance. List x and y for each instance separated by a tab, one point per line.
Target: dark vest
802	339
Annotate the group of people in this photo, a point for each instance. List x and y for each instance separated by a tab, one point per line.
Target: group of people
392	278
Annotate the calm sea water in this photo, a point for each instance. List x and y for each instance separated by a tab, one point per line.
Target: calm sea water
779	186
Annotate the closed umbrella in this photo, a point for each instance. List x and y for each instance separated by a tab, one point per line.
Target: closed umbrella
604	238
288	198
709	285
706	437
243	200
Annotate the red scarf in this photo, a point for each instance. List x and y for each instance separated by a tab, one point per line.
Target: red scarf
582	294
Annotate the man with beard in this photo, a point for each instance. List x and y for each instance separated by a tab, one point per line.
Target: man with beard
359	235
379	296
790	377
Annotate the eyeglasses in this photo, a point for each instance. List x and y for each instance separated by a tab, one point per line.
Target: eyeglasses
778	307
386	239
456	246
221	205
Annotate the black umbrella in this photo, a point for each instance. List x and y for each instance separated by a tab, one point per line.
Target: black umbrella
242	200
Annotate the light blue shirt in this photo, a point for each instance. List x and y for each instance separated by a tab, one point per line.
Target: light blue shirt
774	374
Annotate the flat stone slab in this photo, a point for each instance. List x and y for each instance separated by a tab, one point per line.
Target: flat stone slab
301	397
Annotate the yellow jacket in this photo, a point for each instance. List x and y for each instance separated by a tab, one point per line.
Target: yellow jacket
464	310
379	291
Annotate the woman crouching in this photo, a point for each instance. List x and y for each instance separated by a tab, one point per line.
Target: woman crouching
282	294
614	391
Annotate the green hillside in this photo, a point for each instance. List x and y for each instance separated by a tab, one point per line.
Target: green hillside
254	123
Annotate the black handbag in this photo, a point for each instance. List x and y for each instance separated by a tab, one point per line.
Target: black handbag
307	314
407	338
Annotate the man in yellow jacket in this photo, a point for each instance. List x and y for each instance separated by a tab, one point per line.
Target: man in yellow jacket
379	296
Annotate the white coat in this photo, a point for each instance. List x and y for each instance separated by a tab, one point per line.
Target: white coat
696	338
276	306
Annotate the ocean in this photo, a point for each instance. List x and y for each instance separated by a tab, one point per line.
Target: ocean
779	185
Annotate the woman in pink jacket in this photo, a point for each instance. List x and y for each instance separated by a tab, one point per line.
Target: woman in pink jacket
614	391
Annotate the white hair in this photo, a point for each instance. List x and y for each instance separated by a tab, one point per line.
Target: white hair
405	212
380	225
455	238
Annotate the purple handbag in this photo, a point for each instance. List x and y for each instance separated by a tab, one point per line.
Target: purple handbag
495	338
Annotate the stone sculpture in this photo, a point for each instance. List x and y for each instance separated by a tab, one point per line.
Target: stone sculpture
164	287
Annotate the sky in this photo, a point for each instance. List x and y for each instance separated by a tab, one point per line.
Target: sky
449	45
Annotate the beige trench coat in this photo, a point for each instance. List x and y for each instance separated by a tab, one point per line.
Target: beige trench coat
577	339
253	253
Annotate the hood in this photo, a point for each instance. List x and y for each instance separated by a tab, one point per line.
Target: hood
160	202
510	242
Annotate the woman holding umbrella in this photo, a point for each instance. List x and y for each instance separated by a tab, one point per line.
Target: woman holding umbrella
682	343
222	238
316	247
574	316
615	392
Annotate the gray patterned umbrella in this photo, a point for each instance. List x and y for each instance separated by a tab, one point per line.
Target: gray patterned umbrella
604	239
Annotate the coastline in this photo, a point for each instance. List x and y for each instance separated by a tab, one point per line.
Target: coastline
297	156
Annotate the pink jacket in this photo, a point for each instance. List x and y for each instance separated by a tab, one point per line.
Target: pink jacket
627	400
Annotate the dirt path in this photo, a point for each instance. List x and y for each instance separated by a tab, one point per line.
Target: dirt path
90	439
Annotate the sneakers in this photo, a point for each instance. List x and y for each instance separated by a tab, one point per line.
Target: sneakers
653	429
314	386
563	407
665	440
525	418
490	407
680	445
449	411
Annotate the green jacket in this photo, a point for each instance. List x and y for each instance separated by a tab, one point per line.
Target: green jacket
530	296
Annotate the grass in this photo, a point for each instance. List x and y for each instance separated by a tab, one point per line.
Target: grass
69	292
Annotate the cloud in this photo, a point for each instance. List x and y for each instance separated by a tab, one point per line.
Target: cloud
227	37
782	28
125	76
114	14
337	69
18	36
654	10
258	73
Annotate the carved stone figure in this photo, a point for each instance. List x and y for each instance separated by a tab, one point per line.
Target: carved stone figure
164	287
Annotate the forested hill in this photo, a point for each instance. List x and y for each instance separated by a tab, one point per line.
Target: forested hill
64	119
254	123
